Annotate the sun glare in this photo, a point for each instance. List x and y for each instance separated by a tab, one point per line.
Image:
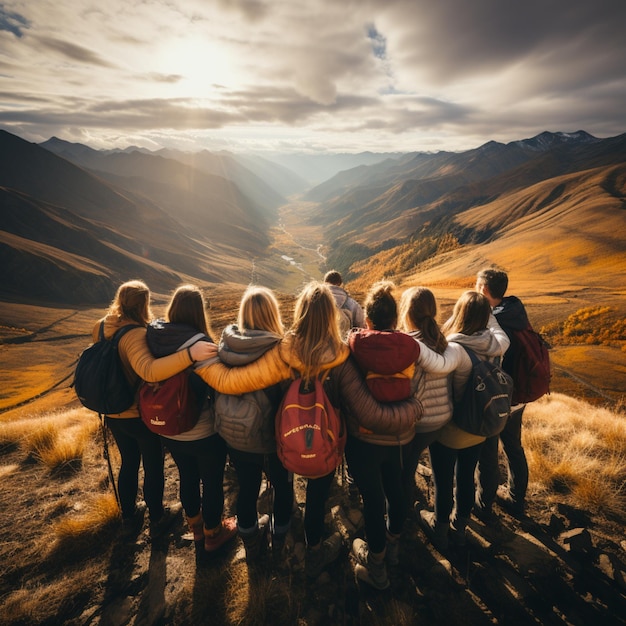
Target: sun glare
200	63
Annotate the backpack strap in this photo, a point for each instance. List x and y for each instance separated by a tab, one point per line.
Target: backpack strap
121	332
101	331
472	355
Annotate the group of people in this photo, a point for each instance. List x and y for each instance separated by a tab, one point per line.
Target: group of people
391	416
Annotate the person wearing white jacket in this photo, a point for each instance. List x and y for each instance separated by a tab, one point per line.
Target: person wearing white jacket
454	454
438	358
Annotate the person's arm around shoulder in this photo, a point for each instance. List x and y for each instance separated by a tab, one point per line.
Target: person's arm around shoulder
435	363
266	371
133	344
461	374
389	418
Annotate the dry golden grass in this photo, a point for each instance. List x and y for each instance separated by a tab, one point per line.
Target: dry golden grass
98	513
577	452
57	440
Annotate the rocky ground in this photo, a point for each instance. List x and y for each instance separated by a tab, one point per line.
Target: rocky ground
557	566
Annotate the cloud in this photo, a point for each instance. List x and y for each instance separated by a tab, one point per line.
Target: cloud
12	22
392	73
73	51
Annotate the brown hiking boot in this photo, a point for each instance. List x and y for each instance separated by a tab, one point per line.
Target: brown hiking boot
215	538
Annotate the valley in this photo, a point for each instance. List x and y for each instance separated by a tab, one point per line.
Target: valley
39	344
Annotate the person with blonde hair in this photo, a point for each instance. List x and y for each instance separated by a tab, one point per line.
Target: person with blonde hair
137	444
455	453
312	348
199	453
246	422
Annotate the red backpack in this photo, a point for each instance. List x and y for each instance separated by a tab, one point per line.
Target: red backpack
531	366
171	406
310	435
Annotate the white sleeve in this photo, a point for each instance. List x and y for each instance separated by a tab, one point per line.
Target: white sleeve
435	363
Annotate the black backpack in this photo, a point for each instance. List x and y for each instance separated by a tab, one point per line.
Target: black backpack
486	402
99	379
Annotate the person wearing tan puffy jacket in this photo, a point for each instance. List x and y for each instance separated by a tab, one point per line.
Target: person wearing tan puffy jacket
137	444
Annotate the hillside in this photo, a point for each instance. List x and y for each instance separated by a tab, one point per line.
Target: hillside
419	197
70	236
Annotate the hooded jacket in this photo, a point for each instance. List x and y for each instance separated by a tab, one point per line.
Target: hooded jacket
344	301
246	421
344	385
164	338
489	344
387	358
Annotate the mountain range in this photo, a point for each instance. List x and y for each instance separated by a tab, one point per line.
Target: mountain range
75	222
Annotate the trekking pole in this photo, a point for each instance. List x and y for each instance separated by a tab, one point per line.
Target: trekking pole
271	497
107	456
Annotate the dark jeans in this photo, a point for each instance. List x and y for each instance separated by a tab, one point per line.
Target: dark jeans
249	467
411	454
452	466
138	445
201	463
488	468
317	490
377	472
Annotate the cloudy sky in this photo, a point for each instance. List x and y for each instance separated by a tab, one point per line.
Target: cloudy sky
321	75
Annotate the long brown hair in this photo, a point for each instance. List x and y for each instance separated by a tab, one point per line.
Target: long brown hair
418	311
189	306
380	306
315	328
470	315
132	302
259	310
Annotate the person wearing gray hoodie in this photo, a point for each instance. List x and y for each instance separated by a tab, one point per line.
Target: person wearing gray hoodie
246	422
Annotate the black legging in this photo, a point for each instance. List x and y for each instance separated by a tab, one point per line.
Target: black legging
138	445
249	467
377	472
201	462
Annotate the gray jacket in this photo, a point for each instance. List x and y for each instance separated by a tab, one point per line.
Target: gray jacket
246	422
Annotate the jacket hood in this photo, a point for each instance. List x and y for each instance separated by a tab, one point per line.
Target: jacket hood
483	342
511	314
239	347
340	295
165	338
383	351
332	358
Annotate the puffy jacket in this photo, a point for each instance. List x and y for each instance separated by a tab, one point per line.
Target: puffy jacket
435	389
344	385
137	360
246	421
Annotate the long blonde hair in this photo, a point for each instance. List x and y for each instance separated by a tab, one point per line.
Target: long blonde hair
132	302
259	310
469	316
418	312
189	306
315	328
